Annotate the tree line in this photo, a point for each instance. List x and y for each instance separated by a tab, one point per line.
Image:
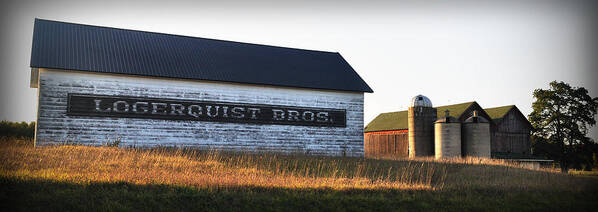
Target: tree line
17	129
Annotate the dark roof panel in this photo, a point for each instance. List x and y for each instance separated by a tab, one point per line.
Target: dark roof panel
69	46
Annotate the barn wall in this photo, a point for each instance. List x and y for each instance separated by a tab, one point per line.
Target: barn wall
54	126
511	136
395	145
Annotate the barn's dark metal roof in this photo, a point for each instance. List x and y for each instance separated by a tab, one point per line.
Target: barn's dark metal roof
69	46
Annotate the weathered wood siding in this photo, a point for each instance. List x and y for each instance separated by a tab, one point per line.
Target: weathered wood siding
511	136
54	126
395	145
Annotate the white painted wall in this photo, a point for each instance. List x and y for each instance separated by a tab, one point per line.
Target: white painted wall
55	127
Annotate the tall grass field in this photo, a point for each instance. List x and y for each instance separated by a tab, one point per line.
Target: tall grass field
84	178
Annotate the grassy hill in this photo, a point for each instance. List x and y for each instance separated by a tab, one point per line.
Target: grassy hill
108	178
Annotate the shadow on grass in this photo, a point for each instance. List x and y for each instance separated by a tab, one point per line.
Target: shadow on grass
47	195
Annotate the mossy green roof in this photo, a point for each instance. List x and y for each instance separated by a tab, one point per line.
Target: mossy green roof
497	113
388	121
455	110
398	120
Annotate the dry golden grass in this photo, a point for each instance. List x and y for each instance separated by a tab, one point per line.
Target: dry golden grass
584	173
83	177
189	167
83	164
475	161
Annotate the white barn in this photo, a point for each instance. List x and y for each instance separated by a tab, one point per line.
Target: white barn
99	84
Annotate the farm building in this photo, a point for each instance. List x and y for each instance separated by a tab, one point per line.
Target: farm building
411	133
510	134
99	84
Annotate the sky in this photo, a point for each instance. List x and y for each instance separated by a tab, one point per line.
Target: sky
492	52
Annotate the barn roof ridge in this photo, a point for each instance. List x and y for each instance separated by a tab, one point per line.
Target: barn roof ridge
183	36
498	113
398	120
80	47
469	103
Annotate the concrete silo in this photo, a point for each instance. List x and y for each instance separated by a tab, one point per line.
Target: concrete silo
476	136
421	117
447	138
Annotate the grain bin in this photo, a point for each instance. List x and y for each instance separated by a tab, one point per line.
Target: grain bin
421	117
447	137
476	136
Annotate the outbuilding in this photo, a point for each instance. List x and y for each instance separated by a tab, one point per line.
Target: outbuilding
400	134
511	132
99	84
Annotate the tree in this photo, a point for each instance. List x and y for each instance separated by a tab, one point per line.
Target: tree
561	118
17	129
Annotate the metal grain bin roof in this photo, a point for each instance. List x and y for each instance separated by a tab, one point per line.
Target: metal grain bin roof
69	46
421	100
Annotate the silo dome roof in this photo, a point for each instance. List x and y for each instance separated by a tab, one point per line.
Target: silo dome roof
421	101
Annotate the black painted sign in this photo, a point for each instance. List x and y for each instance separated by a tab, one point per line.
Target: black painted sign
173	109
